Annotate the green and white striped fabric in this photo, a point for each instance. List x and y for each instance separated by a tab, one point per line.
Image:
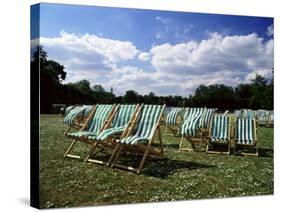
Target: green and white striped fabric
172	116
147	121
220	128
68	109
191	124
73	114
250	114
245	131
119	123
206	117
98	120
88	110
190	112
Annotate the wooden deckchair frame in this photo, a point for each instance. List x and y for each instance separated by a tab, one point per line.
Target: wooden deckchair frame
109	143
220	143
144	149
254	145
83	139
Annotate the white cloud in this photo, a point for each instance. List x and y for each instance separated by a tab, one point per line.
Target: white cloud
173	69
236	55
270	30
144	56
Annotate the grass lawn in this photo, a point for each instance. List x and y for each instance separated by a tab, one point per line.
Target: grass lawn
180	176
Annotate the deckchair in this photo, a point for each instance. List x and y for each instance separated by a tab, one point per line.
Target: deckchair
113	130
238	113
190	128
262	118
75	118
226	112
204	123
68	109
270	118
95	123
219	134
246	136
140	137
172	121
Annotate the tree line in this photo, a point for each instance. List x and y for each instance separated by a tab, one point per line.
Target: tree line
258	94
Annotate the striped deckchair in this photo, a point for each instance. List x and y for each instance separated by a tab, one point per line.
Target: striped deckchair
206	117
113	130
219	134
270	118
246	135
172	121
238	113
75	118
225	112
190	128
140	137
262	117
95	123
68	109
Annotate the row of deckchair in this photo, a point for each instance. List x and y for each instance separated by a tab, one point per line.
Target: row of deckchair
245	135
202	126
263	117
120	129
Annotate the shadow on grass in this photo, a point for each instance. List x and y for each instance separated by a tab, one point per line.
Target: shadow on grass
264	152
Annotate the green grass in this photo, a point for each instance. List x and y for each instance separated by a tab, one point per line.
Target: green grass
180	176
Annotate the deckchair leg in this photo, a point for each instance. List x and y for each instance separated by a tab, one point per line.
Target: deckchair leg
93	148
70	148
113	155
143	159
165	130
67	130
180	143
117	155
160	140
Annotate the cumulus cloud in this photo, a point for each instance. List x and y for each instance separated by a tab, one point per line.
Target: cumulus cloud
164	69
144	56
236	55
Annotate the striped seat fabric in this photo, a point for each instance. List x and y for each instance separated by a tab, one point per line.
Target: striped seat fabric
88	110
98	120
68	109
262	117
220	128
271	116
172	116
206	117
192	121
119	123
245	131
73	114
145	127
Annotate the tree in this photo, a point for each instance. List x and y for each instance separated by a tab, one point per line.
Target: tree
131	96
98	88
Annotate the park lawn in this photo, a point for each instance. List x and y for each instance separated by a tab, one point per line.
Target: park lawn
180	176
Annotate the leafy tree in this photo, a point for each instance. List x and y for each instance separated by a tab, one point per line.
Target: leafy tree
131	96
98	88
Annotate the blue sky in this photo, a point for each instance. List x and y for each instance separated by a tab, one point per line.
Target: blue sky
168	53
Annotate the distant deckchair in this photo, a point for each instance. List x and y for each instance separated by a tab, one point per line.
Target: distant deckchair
262	118
95	123
68	109
219	134
246	136
140	137
270	118
172	121
114	129
190	128
238	113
